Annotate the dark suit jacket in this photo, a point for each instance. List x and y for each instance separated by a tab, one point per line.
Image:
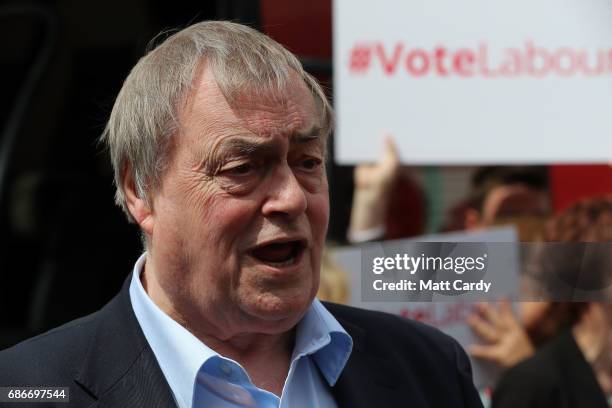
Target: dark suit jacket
558	376
106	361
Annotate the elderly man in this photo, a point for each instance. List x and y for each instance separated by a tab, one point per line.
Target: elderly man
217	140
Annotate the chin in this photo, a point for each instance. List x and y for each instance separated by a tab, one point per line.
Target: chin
285	310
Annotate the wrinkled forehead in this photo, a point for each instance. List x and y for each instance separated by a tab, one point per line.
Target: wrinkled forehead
293	111
289	110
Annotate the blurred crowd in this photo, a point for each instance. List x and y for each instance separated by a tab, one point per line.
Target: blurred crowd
552	353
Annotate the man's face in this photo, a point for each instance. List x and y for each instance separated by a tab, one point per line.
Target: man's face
239	222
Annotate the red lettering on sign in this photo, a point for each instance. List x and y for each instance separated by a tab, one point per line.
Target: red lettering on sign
389	65
531	60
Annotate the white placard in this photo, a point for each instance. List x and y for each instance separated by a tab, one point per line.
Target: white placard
474	81
447	316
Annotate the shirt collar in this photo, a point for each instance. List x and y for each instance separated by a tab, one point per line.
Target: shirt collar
319	334
180	354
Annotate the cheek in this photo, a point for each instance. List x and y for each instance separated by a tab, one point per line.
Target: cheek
228	218
318	214
204	216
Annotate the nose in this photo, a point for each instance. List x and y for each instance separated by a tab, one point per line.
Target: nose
286	195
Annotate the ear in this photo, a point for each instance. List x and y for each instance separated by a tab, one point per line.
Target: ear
471	219
137	206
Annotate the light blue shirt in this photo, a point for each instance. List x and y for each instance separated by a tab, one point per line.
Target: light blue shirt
200	377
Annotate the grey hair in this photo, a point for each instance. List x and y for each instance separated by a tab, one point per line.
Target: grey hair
144	120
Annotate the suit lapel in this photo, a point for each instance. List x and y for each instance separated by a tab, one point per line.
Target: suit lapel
120	368
366	380
143	386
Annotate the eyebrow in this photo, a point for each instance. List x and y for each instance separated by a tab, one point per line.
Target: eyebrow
246	146
312	133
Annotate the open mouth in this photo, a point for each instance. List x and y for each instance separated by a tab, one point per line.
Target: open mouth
279	253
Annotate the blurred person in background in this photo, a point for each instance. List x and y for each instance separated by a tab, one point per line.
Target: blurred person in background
506	195
560	355
499	195
502	195
334	284
387	202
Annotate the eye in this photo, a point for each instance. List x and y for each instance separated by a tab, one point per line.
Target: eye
311	163
240	170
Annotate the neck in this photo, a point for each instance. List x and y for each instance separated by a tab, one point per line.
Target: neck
266	356
251	346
